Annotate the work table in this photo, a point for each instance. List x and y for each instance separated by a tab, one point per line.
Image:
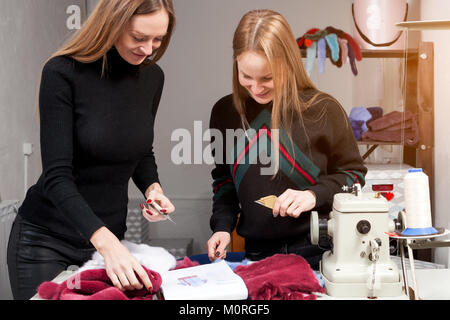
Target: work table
433	284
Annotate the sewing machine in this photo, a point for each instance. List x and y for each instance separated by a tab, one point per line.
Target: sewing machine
359	264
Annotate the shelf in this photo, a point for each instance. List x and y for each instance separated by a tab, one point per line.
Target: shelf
425	25
374	145
362	143
367	53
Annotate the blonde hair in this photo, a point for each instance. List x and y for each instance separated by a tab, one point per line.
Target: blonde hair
267	32
105	25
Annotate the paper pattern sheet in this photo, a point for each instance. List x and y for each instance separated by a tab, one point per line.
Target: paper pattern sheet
215	281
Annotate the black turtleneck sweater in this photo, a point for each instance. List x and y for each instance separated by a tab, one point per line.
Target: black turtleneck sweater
96	134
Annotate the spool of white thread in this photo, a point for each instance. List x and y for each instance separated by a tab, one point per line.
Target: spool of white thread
417	204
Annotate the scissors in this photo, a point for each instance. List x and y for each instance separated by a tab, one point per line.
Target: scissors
158	208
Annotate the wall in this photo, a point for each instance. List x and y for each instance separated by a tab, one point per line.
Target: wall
440	10
30	32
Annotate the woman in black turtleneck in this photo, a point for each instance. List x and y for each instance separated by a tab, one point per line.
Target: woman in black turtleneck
98	100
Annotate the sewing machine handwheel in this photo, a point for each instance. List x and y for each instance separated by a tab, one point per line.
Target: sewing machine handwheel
400	222
314	227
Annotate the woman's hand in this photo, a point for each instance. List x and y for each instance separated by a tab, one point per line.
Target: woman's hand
121	266
217	245
293	202
155	193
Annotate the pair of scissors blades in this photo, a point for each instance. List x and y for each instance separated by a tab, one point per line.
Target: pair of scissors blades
158	208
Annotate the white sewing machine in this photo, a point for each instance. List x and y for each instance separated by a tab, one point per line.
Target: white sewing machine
359	263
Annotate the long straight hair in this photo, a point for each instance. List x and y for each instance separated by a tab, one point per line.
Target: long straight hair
268	33
105	25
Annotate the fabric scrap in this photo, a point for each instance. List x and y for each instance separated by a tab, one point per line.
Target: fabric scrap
311	52
185	263
280	277
358	118
333	44
321	54
95	284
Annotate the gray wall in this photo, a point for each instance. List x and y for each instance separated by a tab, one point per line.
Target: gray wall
31	30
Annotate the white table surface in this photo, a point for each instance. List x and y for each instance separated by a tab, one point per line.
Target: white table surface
432	284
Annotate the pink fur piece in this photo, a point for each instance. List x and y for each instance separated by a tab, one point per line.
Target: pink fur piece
186	263
96	285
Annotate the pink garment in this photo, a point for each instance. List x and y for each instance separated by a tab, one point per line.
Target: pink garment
390	119
344	49
280	277
96	285
185	263
394	126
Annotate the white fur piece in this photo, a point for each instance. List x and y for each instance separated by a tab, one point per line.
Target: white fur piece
154	258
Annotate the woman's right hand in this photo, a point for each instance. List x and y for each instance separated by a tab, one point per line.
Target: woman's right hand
217	245
121	266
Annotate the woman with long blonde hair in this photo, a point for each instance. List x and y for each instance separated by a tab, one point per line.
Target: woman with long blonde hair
305	133
98	99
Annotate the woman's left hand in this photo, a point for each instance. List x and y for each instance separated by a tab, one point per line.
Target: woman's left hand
155	193
293	202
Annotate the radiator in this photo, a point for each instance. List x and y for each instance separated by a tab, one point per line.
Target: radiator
8	211
137	225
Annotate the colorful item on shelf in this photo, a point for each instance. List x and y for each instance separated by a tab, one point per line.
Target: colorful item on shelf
319	34
344	50
359	116
333	44
391	119
301	41
311	57
339	45
343	35
395	126
376	112
338	62
351	59
321	54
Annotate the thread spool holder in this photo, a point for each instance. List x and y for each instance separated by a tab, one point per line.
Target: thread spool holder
415	243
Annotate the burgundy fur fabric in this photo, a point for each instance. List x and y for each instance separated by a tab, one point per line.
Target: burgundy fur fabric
96	285
280	277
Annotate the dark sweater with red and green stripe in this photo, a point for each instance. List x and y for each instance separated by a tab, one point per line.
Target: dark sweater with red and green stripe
322	157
